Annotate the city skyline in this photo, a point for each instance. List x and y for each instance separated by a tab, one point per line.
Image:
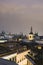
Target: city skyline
19	15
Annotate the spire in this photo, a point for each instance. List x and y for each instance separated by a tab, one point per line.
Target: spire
31	30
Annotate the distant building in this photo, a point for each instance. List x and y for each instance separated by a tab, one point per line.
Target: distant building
34	36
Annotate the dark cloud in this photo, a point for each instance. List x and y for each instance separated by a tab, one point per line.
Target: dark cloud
22	2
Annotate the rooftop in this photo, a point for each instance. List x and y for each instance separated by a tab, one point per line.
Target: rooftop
6	62
16	49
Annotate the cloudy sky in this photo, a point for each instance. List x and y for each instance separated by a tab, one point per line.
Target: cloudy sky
19	15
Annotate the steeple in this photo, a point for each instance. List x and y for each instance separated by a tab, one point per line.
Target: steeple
31	30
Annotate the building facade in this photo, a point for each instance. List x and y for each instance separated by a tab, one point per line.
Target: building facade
19	58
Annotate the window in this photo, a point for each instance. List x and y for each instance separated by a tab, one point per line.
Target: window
20	60
13	59
10	59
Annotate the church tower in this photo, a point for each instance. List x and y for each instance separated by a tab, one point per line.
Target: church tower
31	35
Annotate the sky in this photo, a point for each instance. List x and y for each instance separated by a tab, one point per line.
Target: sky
19	15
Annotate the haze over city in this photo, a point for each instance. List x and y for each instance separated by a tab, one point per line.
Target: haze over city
19	15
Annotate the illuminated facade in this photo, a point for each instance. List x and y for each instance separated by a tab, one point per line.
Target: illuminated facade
19	58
